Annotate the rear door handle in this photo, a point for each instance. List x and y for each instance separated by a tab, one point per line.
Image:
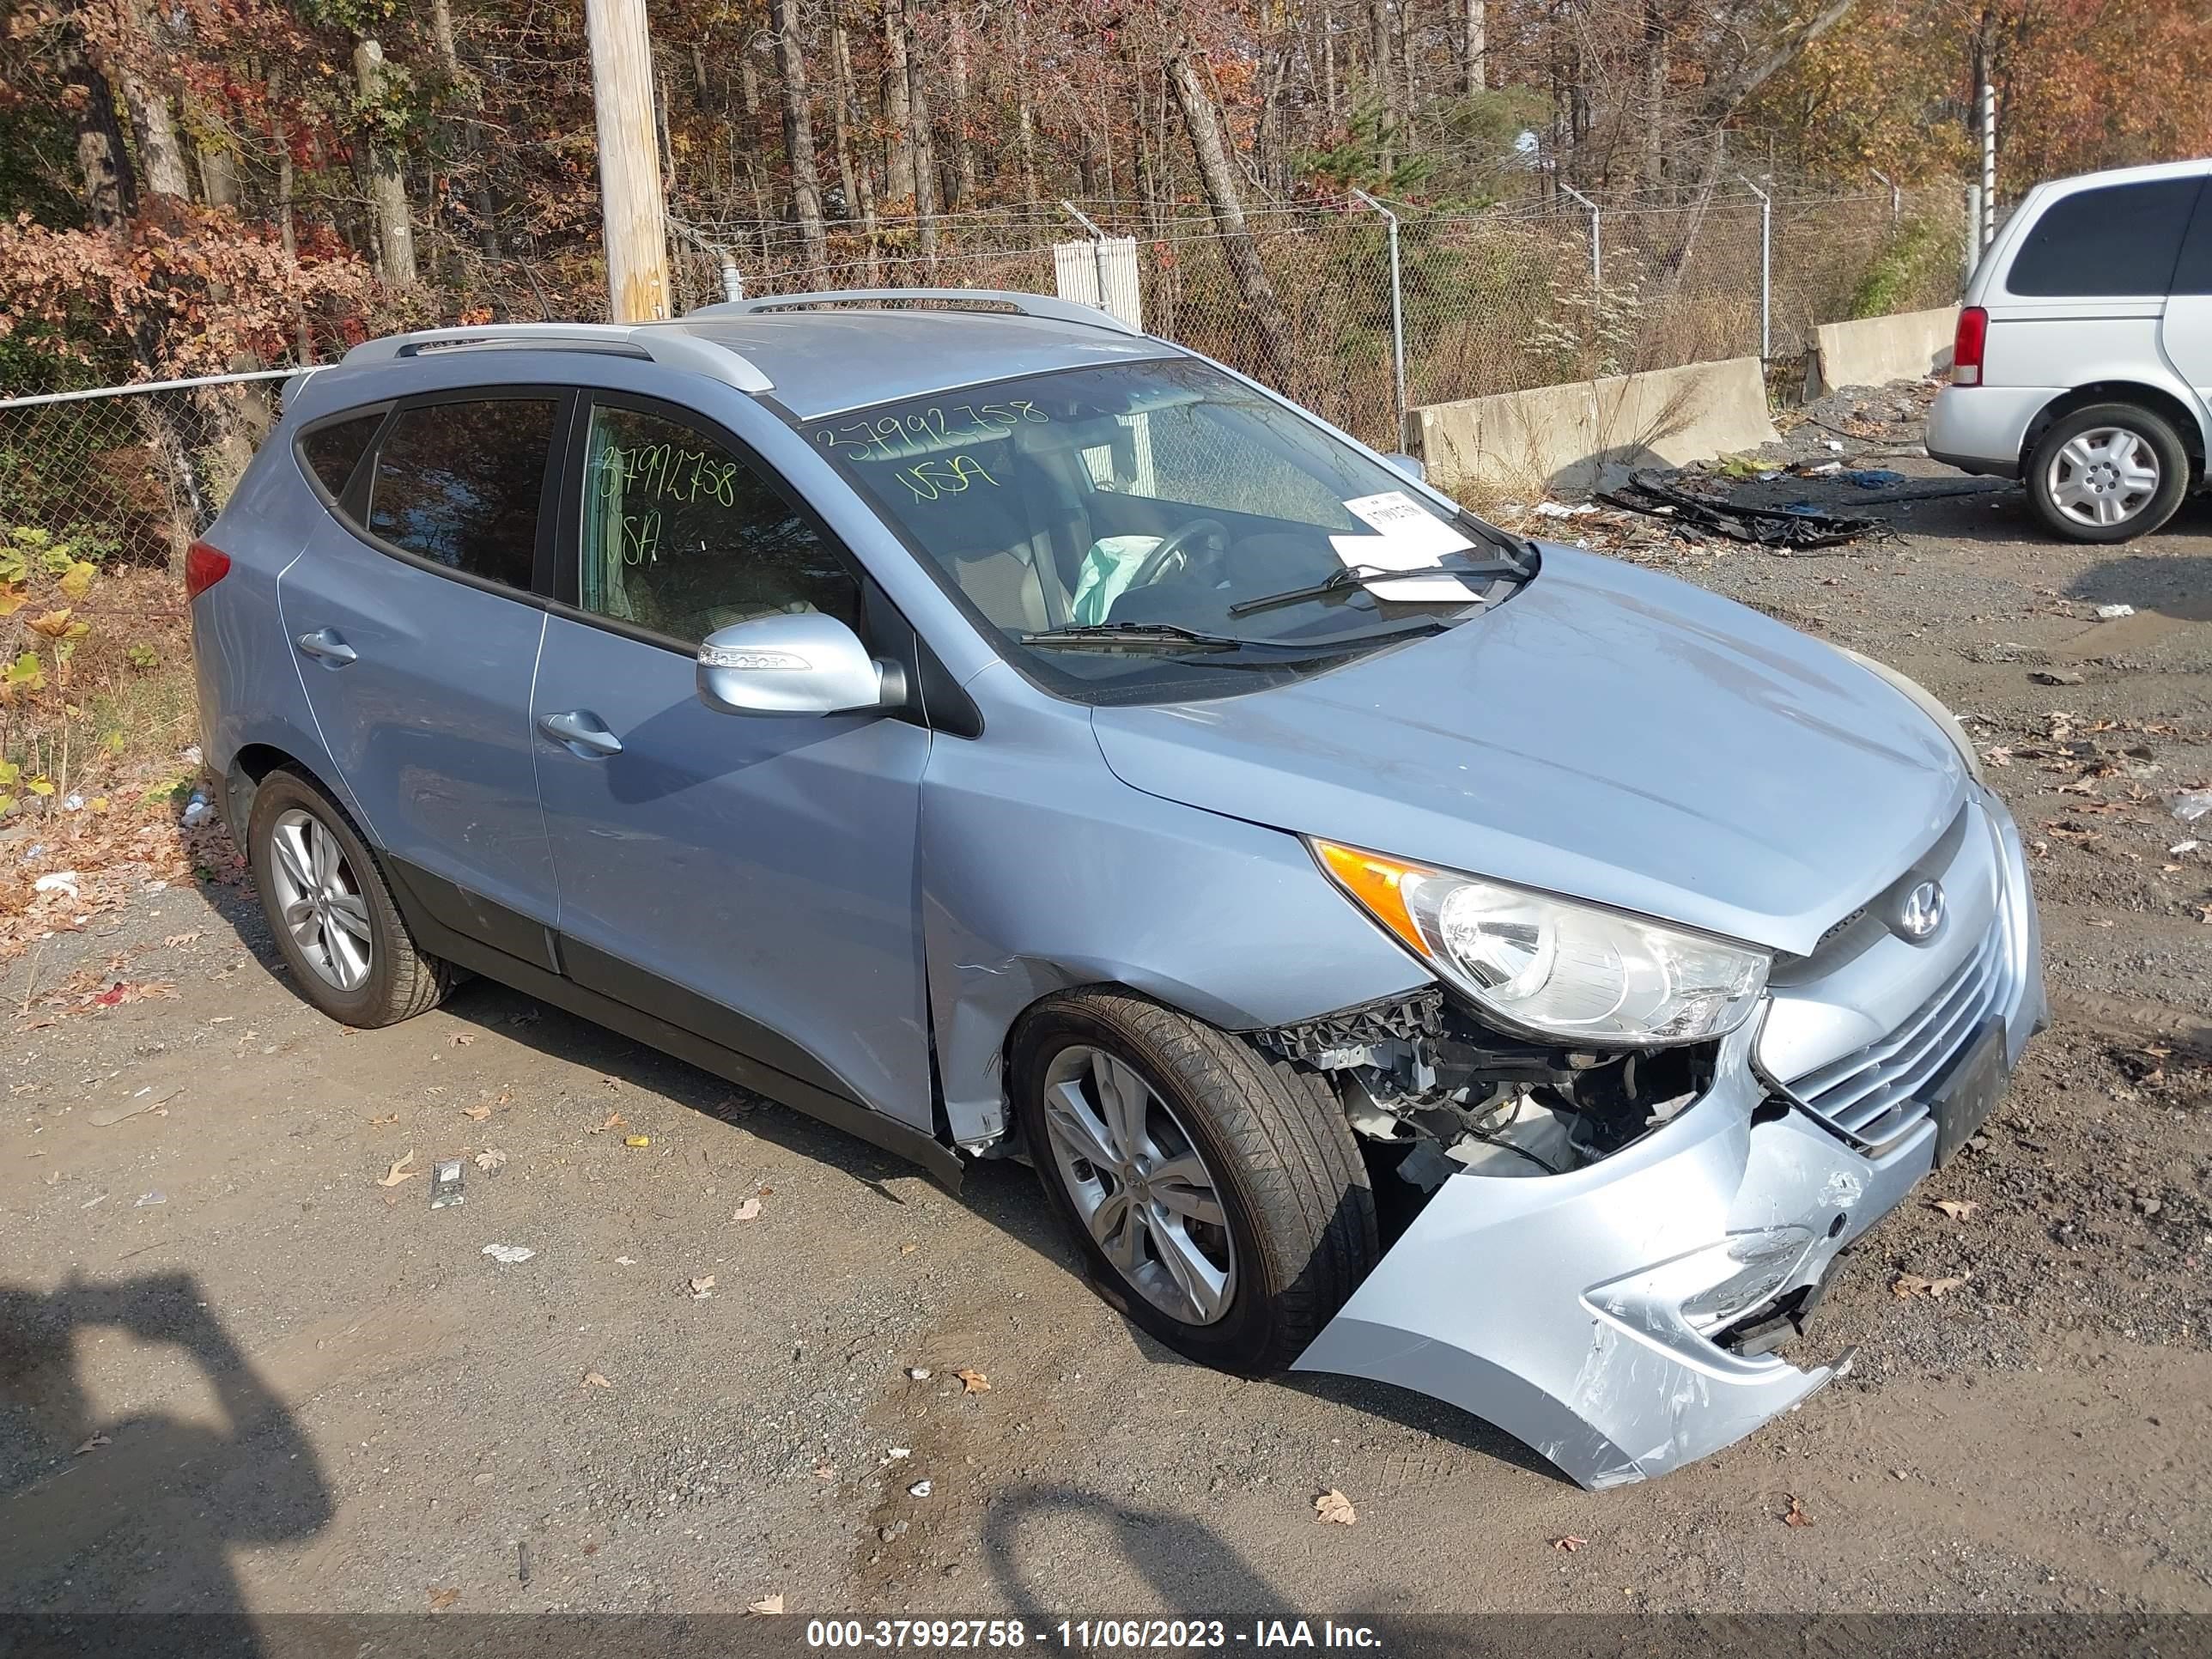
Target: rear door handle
580	732
327	645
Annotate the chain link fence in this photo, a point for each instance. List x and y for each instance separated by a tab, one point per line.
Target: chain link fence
1498	300
1493	301
130	474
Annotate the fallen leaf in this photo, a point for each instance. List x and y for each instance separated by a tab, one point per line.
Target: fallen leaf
1795	1515
640	1141
593	1379
1957	1208
462	1039
478	1113
748	1211
176	941
973	1382
1912	1284
909	1249
399	1171
1334	1505
384	1122
442	1598
702	1287
1570	1543
96	1441
491	1159
767	1604
615	1121
824	1472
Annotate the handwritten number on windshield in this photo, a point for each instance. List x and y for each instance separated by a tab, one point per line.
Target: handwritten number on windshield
929	430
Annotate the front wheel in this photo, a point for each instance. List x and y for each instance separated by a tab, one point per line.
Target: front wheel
2107	473
1217	1193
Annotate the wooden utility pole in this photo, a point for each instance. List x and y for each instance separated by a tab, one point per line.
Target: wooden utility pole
631	212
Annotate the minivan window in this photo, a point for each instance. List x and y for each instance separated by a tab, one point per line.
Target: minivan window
332	452
682	537
458	483
2121	239
1164	495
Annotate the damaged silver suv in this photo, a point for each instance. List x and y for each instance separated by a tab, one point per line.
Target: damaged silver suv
1401	948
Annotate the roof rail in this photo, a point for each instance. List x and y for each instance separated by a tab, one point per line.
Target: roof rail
1030	304
657	342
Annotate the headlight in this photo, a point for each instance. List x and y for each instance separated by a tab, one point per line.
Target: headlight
1554	969
1933	706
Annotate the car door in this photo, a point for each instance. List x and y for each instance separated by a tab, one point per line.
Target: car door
748	878
2186	332
415	629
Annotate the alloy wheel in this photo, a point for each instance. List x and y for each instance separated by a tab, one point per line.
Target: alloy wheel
320	901
2103	476
1139	1185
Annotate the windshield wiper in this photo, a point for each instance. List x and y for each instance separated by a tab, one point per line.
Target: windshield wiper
1172	638
1358	576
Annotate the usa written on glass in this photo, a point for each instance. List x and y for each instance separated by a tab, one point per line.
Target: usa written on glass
929	431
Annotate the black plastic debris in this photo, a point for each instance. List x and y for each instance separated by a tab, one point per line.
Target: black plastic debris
1798	525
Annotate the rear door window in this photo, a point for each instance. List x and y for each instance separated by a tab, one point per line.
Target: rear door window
461	483
2118	240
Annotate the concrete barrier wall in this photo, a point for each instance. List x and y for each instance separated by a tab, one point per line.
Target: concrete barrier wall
1875	350
1566	438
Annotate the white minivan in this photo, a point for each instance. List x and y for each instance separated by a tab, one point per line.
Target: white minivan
2083	365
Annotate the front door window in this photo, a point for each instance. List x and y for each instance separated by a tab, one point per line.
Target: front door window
681	537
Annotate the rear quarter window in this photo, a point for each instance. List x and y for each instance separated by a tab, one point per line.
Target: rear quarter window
2118	240
332	451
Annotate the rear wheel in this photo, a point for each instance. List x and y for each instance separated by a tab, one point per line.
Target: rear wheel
333	918
1216	1192
2107	473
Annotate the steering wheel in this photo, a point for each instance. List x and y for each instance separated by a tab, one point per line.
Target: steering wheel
1173	546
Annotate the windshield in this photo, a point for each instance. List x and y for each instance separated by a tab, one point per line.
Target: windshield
1158	531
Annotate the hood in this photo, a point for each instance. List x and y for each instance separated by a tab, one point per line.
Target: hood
1608	733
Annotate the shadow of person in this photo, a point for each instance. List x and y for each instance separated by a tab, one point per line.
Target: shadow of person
134	1520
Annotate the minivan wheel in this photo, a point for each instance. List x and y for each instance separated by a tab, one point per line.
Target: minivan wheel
1216	1192
332	915
2107	473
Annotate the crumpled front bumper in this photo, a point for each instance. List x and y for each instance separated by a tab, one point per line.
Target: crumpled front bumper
1577	1311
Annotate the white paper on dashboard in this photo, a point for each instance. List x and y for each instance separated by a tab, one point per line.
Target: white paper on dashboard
1412	540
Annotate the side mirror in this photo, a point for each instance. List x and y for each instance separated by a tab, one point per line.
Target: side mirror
1412	467
800	664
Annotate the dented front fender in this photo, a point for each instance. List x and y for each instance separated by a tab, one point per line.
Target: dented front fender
1577	1311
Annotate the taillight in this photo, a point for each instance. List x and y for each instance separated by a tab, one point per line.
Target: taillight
1967	347
204	567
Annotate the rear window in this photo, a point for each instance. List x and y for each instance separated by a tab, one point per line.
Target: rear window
2121	239
332	452
458	484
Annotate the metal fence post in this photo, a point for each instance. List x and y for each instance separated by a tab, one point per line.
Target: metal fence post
1397	310
1597	245
1765	269
1896	196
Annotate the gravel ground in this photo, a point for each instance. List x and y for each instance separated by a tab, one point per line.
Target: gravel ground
238	1370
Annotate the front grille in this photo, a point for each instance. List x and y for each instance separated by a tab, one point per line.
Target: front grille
1876	1094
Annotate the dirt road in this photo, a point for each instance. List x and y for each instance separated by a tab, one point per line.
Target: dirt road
245	1365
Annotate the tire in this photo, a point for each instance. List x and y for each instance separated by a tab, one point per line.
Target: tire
2107	473
1296	1232
377	980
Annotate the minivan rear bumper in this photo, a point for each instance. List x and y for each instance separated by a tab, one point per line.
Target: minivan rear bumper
1613	1318
1984	429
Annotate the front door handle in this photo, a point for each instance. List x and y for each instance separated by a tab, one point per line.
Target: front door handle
327	645
580	732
